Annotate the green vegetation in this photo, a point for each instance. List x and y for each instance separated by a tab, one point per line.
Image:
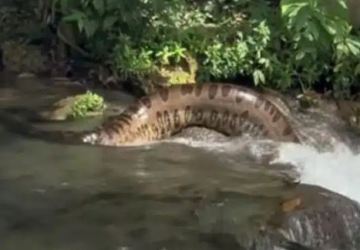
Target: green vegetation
87	103
296	44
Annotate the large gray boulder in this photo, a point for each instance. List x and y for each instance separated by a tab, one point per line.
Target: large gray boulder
310	218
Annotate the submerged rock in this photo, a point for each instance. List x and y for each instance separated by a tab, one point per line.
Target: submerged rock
62	109
312	218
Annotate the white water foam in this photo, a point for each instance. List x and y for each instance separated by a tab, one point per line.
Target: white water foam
337	170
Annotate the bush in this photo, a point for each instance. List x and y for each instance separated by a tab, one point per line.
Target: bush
299	43
321	43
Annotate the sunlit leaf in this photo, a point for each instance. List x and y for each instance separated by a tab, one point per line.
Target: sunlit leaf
258	76
357	69
300	55
353	46
291	7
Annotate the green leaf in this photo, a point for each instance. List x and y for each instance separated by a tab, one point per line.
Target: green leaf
357	69
258	76
354	46
75	16
313	31
291	8
112	4
337	9
109	22
90	27
265	62
300	55
301	19
80	25
338	67
99	6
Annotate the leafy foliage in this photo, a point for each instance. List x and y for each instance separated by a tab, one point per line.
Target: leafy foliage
299	43
322	42
89	102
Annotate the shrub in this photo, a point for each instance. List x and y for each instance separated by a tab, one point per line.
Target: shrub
296	44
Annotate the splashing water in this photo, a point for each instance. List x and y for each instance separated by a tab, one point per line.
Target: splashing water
337	170
326	157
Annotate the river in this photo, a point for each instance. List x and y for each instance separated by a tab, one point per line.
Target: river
158	196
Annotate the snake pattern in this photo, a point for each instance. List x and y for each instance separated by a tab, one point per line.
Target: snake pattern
230	109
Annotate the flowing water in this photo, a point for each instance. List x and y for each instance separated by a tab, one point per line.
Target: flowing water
167	195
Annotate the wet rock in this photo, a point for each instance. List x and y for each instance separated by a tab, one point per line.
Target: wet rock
325	220
308	217
26	75
350	112
62	109
309	99
222	241
22	58
46	100
115	103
